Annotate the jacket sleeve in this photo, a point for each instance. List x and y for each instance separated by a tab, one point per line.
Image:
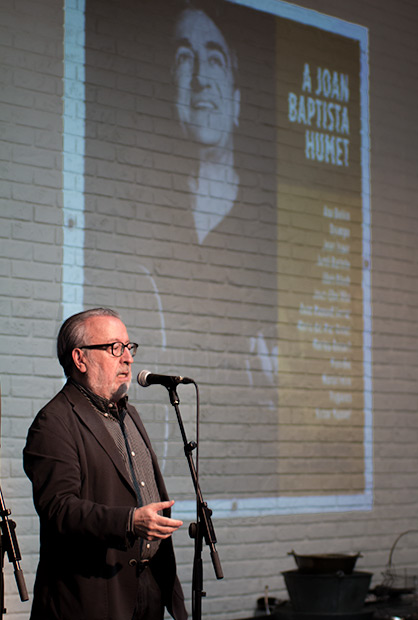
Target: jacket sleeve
75	489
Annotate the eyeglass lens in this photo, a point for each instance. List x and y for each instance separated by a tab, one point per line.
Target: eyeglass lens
118	348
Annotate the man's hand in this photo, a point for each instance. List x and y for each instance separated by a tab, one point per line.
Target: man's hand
150	525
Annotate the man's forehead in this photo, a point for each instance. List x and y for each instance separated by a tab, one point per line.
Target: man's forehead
194	28
103	325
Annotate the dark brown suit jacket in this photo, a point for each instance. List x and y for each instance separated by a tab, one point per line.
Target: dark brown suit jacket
83	495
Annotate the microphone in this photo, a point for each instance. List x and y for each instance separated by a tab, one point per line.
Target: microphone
146	378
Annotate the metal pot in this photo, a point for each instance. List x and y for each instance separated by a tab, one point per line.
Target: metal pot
326	563
327	594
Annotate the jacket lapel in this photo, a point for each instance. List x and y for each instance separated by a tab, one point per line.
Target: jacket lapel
91	419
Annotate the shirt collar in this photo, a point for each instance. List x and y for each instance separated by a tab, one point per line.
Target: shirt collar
102	404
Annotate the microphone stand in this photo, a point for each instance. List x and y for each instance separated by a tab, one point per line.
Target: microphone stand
203	528
10	545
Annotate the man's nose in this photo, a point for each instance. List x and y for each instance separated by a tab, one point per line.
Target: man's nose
200	76
127	357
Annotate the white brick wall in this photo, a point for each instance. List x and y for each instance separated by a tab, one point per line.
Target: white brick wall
30	228
136	227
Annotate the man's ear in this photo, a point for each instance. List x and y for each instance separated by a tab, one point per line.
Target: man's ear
78	359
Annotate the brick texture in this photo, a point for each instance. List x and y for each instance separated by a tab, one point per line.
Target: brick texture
198	309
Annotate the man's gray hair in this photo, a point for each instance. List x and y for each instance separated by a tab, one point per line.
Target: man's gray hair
71	335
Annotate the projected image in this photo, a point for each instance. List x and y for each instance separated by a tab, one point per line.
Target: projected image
226	208
208	107
189	174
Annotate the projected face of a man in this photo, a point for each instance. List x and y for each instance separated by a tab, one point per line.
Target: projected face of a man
206	99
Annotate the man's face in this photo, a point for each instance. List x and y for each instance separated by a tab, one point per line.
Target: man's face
207	102
103	373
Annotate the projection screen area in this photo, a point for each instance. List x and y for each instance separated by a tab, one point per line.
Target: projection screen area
216	193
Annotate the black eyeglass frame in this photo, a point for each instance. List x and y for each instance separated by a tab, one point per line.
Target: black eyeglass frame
131	346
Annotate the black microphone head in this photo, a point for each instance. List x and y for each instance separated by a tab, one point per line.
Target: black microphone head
142	378
146	378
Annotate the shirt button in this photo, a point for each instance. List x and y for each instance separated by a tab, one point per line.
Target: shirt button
133	453
148	546
142	483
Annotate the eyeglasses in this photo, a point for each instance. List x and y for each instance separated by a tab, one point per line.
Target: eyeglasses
116	348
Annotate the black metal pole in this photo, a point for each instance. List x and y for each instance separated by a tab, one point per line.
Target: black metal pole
10	546
203	528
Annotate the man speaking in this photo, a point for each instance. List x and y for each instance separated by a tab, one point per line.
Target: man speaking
105	528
